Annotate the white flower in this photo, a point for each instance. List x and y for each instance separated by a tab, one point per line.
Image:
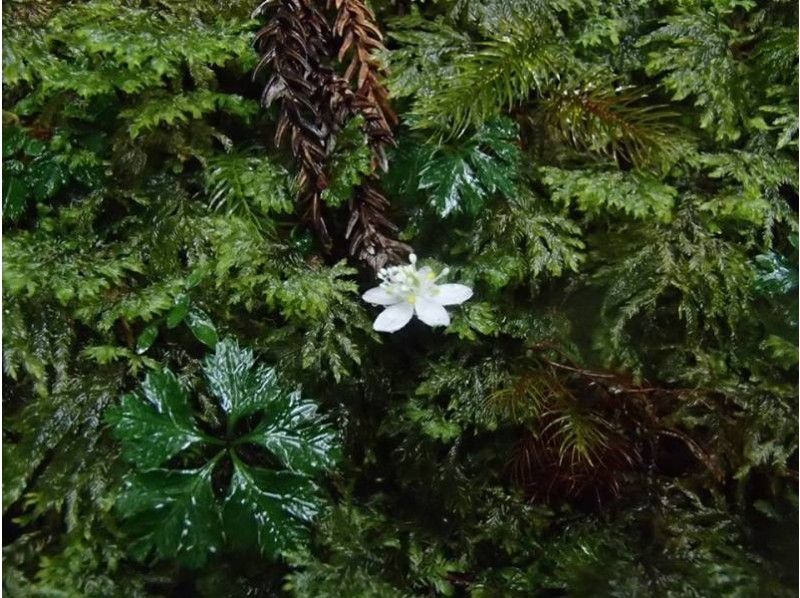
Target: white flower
406	291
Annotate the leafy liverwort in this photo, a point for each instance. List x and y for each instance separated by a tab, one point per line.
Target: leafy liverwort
406	291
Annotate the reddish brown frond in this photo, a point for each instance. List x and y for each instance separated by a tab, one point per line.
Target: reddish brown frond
293	45
316	102
370	233
360	39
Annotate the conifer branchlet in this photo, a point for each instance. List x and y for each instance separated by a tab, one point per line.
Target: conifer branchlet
292	45
316	102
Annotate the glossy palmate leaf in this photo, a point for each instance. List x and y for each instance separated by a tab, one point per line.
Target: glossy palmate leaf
156	425
269	509
284	432
464	176
240	388
177	512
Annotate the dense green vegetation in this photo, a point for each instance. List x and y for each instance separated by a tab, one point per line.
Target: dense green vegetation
195	403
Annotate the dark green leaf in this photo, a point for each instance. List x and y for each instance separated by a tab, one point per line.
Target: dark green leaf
174	512
461	178
15	197
775	274
268	509
202	327
147	338
45	178
290	430
34	147
452	183
178	312
240	387
13	141
158	425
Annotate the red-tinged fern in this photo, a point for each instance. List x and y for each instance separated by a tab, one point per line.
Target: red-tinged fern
585	430
614	122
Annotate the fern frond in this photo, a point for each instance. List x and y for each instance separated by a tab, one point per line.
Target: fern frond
776	55
495	15
753	187
425	51
243	183
684	269
69	417
598	192
372	237
495	77
524	243
693	53
613	122
175	109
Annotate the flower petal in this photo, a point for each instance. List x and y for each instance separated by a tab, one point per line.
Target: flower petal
394	317
452	294
431	312
425	273
380	296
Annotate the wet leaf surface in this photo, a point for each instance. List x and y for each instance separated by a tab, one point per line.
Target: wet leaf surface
175	512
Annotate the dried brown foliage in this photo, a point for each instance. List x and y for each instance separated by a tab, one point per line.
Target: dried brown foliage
584	431
316	102
370	232
360	40
292	45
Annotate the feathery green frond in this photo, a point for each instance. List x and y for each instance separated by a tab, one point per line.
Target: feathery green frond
613	122
597	192
523	244
247	184
694	54
494	77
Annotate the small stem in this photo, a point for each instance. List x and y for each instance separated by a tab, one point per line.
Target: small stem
213	462
212	440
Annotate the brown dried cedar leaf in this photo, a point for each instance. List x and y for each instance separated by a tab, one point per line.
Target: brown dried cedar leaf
360	38
370	233
293	45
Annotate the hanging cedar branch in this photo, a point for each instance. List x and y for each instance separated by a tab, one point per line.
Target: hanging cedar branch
316	102
370	233
360	39
292	45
